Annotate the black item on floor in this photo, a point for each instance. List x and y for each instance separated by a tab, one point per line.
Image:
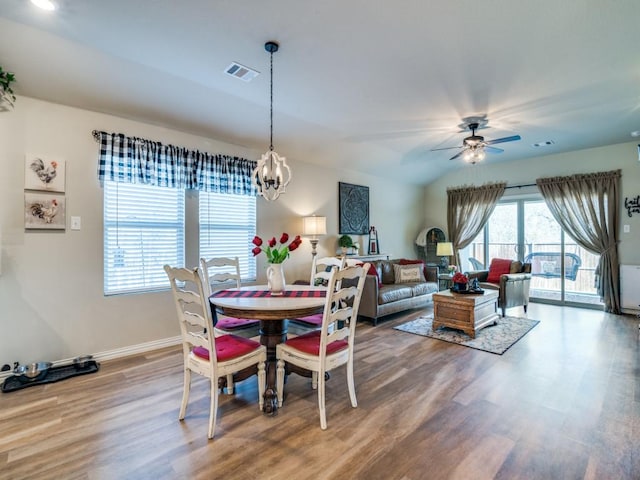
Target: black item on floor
54	374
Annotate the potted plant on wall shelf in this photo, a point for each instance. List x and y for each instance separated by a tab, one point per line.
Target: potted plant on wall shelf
345	243
7	97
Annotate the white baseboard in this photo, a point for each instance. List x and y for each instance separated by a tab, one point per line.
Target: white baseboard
118	352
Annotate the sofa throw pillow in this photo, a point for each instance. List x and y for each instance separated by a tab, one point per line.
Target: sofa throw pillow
408	273
372	271
498	267
407	261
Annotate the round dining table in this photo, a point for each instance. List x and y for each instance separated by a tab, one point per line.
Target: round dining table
255	302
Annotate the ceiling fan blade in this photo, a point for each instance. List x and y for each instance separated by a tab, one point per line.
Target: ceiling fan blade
504	139
457	155
444	148
489	149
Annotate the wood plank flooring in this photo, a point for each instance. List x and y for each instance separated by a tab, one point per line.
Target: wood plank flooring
562	403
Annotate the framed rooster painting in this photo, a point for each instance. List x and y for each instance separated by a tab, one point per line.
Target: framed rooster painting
43	173
44	210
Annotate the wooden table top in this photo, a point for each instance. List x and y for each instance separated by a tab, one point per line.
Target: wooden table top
270	308
475	298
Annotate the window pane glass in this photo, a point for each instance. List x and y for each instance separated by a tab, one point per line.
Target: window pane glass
143	231
227	226
503	232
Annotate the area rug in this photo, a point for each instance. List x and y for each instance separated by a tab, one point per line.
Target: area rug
493	339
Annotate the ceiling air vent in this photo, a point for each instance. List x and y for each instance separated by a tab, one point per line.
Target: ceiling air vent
240	71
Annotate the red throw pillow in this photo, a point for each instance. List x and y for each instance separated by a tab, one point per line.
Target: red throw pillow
373	271
498	267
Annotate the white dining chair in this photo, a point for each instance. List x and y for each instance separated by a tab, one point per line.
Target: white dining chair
332	346
320	272
205	353
224	272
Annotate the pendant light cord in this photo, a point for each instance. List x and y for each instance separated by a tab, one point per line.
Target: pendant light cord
271	107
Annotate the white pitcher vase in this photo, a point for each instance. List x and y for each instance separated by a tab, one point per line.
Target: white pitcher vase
275	279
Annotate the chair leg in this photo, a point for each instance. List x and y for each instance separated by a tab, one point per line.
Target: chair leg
321	390
314	380
280	381
262	376
504	310
230	384
213	406
351	384
185	393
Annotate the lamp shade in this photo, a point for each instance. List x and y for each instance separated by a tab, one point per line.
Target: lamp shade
314	225
444	249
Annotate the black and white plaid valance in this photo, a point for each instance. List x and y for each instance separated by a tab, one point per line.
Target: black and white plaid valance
136	160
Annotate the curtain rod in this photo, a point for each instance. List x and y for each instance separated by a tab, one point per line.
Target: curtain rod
521	186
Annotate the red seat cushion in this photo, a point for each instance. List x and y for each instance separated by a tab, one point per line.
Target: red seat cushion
229	323
315	320
310	343
228	347
498	267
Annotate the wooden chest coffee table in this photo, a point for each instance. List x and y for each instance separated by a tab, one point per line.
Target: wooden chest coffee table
466	312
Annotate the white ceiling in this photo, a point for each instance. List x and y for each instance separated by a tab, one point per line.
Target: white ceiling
370	85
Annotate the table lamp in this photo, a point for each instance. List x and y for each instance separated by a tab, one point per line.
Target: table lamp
314	226
444	250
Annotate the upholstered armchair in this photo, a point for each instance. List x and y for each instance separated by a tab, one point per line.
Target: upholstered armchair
511	278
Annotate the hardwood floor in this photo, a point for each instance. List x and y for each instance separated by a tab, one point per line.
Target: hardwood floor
562	403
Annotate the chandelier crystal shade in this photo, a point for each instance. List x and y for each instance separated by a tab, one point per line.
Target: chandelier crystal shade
272	174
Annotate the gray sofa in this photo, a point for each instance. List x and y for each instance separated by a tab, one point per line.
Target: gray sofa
391	297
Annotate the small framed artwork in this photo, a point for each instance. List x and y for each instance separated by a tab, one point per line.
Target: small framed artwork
44	210
353	208
44	173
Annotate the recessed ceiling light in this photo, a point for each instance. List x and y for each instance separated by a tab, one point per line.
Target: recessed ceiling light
44	4
635	133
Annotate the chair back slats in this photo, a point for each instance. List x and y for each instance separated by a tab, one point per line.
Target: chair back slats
341	306
320	269
193	310
222	272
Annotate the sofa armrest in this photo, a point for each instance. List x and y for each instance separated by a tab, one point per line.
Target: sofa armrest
369	300
481	275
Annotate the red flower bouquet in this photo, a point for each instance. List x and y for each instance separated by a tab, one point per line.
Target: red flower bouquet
279	254
460	277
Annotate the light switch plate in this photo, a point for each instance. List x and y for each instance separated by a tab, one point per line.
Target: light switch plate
75	223
626	228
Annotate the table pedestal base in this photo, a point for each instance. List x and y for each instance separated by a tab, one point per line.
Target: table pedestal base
271	334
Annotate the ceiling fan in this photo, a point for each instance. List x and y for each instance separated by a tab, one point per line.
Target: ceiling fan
474	147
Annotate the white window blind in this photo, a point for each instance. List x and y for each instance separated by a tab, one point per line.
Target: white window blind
227	226
143	231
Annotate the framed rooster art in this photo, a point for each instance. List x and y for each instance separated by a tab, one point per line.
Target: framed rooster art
44	210
44	174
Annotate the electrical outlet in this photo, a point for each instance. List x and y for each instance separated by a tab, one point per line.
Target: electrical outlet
626	228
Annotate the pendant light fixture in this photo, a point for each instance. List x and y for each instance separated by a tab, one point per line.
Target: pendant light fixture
272	175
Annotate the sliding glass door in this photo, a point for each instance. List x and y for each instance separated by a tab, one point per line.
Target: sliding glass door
524	229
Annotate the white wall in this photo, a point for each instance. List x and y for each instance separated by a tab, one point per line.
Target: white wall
51	301
623	156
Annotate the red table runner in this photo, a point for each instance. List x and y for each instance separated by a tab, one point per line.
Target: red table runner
267	293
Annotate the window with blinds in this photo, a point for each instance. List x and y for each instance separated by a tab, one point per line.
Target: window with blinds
143	231
227	227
